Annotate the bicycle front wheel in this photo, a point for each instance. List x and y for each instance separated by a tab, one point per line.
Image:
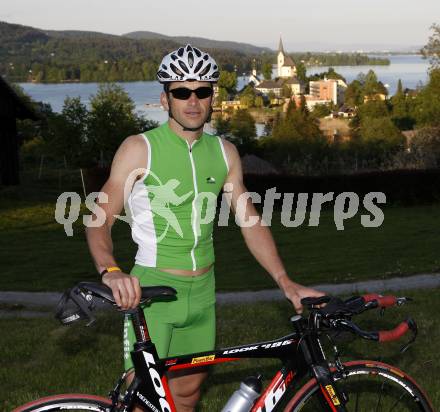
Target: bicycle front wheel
67	402
369	386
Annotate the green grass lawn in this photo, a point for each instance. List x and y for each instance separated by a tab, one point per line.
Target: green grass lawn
36	254
40	357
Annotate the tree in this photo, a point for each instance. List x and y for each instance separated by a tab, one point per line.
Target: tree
427	103
329	74
399	90
271	95
244	130
301	72
228	81
70	132
373	109
380	139
112	119
372	85
354	94
247	96
267	71
371	82
321	110
222	96
431	50
222	126
291	107
259	102
425	147
297	143
286	91
401	109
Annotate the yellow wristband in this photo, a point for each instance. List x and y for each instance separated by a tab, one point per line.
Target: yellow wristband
110	269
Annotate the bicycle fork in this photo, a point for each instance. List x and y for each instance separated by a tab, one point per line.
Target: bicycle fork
332	399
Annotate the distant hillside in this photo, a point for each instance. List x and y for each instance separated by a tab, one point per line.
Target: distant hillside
31	54
200	42
36	55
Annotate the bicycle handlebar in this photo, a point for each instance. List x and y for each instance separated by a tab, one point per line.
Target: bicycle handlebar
337	314
383	301
380	336
398	331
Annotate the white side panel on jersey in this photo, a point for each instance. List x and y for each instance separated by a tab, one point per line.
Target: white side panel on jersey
142	230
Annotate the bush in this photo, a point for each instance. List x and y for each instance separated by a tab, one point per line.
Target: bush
424	147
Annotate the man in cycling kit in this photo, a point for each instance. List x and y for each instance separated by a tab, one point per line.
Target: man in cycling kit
173	174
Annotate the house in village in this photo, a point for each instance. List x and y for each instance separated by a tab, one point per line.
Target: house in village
328	89
254	79
268	86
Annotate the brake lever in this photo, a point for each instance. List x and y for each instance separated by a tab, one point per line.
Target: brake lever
401	301
413	327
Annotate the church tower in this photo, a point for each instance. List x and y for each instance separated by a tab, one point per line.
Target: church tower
286	66
280	58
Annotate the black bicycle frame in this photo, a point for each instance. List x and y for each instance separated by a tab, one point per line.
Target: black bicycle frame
300	353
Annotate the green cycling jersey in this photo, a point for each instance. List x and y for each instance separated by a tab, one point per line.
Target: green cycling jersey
173	205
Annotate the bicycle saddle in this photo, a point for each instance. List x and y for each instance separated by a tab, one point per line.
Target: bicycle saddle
104	292
82	303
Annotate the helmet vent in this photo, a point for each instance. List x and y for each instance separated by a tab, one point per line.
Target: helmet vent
205	70
190	59
199	66
183	66
164	74
176	70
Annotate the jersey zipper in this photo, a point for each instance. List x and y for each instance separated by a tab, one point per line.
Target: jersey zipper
193	206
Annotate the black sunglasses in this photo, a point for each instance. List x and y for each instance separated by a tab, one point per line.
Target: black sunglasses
183	93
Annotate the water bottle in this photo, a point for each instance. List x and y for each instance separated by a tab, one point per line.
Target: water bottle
243	399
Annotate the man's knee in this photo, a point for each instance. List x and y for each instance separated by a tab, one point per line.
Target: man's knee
185	388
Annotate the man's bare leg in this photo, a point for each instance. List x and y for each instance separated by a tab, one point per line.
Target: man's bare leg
184	387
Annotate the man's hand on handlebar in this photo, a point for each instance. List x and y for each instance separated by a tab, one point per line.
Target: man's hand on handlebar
125	288
295	292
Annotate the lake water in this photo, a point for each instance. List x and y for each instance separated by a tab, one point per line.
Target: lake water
145	96
411	69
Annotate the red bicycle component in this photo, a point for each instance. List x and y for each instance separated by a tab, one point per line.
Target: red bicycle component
382	301
394	334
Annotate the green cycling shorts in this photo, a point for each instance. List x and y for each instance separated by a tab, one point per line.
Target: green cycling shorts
181	326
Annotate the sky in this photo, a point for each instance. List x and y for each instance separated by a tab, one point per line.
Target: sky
304	25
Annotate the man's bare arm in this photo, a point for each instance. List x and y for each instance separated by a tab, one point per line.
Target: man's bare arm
128	162
258	238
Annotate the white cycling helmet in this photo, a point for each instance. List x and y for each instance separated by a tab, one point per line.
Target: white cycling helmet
188	63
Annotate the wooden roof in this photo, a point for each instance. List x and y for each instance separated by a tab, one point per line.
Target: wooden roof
12	105
255	165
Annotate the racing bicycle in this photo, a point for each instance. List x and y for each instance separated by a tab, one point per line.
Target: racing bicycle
331	385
